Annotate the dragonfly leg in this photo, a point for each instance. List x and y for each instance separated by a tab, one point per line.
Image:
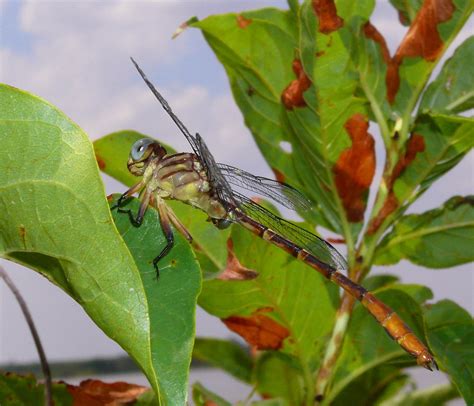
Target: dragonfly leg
179	226
134	189
137	221
166	227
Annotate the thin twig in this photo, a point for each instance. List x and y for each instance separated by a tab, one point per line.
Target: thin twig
48	394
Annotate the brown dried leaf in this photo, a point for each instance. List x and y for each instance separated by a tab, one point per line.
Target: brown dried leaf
279	176
234	269
421	40
326	12
92	392
292	96
355	168
243	22
258	330
415	144
371	32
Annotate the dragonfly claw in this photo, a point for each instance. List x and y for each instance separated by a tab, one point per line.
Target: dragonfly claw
157	270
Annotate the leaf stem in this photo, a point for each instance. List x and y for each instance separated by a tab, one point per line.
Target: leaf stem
333	350
48	394
384	130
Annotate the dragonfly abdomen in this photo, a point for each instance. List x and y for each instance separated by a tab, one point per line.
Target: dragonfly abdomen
391	322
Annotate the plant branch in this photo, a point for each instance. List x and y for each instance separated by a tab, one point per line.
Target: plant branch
48	394
376	109
334	346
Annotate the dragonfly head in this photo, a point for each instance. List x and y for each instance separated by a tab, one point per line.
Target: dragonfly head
142	153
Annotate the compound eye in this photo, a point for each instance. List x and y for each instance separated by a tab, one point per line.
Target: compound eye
139	148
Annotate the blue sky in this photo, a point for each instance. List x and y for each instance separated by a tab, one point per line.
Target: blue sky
75	54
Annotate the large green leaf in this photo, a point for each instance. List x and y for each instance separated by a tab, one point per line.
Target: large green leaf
112	153
299	303
438	238
171	299
445	141
257	49
56	220
322	128
451	337
227	355
453	89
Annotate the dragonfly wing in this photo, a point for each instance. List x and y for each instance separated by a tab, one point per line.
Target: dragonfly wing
279	192
216	179
315	245
192	140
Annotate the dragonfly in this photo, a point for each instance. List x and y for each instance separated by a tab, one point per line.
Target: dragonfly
196	179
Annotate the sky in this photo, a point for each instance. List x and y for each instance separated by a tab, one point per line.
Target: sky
75	55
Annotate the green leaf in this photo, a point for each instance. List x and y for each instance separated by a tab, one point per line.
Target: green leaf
56	220
171	299
18	390
445	140
367	345
451	334
227	355
372	387
453	91
278	375
204	397
286	291
371	57
258	60
112	152
320	129
418	292
407	9
414	71
435	395
438	238
375	282
147	398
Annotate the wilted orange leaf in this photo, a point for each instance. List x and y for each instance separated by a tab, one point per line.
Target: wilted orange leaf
258	330
371	32
234	269
326	12
292	96
415	144
421	40
93	392
355	168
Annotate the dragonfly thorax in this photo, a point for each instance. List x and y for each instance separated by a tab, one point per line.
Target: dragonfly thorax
178	176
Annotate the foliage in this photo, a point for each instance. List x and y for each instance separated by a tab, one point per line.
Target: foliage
313	76
56	220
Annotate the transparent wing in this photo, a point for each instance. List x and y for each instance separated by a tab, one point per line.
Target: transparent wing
320	248
218	182
279	192
192	141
